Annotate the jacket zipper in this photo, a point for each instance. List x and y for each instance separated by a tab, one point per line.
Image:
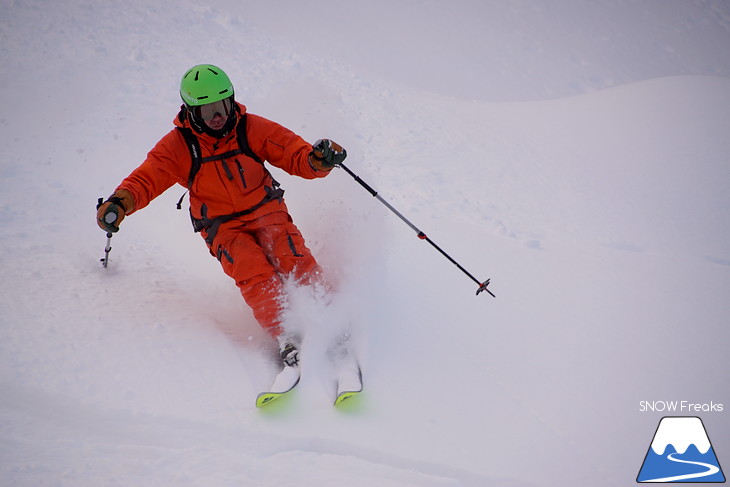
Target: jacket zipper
240	171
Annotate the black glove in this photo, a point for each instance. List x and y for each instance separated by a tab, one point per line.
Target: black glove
326	154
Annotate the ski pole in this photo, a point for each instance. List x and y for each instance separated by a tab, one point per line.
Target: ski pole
107	249
421	235
109	218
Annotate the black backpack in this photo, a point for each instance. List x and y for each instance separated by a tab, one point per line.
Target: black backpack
211	224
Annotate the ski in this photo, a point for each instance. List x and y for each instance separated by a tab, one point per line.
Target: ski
342	396
347	374
284	383
349	381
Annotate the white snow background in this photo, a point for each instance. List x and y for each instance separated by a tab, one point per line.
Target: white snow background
575	152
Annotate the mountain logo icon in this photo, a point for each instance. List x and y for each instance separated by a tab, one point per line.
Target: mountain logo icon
681	452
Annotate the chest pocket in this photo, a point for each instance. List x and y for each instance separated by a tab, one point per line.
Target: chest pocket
238	168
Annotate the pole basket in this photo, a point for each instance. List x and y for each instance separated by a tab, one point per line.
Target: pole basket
483	287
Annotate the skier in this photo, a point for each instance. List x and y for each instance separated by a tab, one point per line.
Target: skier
216	150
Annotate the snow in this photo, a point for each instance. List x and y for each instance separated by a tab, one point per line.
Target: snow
576	153
688	430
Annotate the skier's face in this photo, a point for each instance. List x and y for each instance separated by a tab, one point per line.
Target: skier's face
217	122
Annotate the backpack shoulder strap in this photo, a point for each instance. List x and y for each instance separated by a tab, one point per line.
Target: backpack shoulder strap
242	139
194	147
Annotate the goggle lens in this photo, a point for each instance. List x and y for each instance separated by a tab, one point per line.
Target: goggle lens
209	111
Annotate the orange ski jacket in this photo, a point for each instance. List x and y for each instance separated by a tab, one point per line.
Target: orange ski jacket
223	186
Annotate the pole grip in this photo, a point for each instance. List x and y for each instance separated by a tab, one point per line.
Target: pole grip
112	214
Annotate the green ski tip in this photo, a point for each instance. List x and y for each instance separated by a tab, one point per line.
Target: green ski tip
266	397
289	376
345	395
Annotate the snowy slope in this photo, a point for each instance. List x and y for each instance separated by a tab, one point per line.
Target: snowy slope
578	156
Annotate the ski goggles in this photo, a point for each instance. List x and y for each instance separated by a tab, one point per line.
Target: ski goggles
209	111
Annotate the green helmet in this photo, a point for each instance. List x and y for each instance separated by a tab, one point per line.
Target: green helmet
204	84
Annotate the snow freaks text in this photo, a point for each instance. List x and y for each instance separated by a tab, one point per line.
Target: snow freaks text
683	407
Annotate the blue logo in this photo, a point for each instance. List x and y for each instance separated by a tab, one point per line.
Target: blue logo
681	452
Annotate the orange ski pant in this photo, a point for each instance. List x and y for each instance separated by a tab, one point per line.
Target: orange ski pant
259	255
